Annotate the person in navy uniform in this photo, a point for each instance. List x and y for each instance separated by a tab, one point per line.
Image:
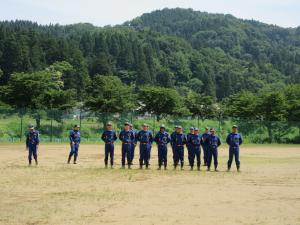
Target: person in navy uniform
189	145
234	140
172	136
74	143
205	145
109	137
32	143
162	139
127	138
145	138
134	142
195	149
214	142
178	140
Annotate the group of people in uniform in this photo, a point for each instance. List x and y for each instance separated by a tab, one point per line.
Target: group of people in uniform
194	142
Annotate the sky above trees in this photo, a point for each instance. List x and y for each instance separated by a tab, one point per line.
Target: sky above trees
112	12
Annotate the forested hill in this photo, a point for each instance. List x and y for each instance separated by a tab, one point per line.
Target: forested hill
212	54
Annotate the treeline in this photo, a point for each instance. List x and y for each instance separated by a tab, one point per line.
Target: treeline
159	49
44	91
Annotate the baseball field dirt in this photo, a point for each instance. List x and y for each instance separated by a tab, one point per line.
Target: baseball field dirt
266	191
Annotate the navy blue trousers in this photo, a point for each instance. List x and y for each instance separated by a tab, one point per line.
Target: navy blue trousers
162	154
178	155
74	149
205	153
234	151
109	151
194	151
144	154
32	151
212	153
126	153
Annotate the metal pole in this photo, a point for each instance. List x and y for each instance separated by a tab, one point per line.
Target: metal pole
51	135
21	128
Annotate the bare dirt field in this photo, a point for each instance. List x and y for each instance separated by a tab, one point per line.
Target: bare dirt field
266	191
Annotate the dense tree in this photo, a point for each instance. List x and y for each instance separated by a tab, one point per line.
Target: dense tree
160	101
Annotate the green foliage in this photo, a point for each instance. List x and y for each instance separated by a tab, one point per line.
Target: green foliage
109	94
161	101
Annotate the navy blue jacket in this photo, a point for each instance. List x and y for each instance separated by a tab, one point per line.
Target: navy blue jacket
75	136
234	140
179	139
127	137
162	138
109	136
194	140
32	138
145	137
204	139
214	141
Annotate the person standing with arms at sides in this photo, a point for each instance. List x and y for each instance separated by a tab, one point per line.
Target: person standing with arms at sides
234	140
173	138
214	143
195	149
189	144
109	137
32	143
145	138
133	143
127	138
162	139
74	143
179	140
205	145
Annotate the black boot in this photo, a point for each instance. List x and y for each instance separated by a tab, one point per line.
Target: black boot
181	165
165	165
75	159
36	161
69	159
216	169
29	162
192	167
238	168
228	168
141	164
147	165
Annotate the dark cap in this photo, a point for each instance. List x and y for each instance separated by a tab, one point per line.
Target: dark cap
126	124
234	126
212	129
176	126
76	126
30	126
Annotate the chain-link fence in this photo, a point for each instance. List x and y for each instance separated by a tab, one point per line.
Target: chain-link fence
54	125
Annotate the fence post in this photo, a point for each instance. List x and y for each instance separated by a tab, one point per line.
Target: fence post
51	124
80	118
21	127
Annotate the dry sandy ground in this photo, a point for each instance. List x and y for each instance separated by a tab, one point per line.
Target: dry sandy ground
267	191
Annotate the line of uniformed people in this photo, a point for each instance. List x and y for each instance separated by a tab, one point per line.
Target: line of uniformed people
129	137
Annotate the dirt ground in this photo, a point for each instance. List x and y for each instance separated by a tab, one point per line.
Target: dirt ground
266	191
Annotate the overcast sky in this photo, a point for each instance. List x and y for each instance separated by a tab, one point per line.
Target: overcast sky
284	13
